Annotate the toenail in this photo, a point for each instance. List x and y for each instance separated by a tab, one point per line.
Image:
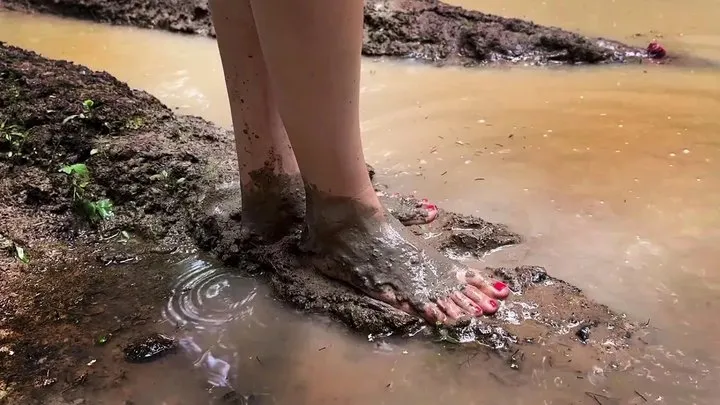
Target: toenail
493	303
499	286
478	310
432	207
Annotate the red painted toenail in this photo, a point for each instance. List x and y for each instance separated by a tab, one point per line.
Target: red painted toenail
499	286
432	207
493	303
478	310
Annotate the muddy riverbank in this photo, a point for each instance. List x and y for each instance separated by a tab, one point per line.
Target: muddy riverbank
96	175
426	30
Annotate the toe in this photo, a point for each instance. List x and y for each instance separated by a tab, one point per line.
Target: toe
431	212
434	314
466	303
449	307
423	212
491	288
488	304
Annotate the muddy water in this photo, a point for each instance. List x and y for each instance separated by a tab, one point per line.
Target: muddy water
611	173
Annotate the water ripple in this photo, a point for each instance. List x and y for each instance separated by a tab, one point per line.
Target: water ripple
205	296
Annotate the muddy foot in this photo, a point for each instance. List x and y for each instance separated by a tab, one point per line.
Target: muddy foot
275	209
408	210
372	251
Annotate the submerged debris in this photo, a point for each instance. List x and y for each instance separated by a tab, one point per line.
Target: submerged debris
584	333
475	331
149	348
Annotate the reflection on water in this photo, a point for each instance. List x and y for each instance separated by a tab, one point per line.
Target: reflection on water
611	174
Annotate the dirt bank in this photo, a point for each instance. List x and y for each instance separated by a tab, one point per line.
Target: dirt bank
427	30
74	289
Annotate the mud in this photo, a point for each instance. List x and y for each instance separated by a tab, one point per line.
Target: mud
75	288
171	183
426	30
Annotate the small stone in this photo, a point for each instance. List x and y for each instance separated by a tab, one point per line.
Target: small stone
149	348
583	333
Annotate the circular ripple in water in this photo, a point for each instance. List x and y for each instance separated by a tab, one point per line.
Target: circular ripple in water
207	296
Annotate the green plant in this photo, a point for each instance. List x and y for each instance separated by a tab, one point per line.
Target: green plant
87	107
20	254
80	178
13	137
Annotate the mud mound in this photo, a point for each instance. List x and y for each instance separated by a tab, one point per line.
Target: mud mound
427	30
540	305
434	31
150	166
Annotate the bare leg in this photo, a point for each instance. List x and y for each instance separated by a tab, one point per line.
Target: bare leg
312	51
270	178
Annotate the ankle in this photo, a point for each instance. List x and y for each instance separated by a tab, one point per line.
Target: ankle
328	216
272	204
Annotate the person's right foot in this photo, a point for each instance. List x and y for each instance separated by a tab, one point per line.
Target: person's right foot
275	209
408	210
360	244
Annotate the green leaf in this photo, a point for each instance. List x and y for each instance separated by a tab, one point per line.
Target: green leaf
78	169
88	104
21	255
104	209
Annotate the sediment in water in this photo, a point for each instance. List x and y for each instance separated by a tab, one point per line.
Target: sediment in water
426	30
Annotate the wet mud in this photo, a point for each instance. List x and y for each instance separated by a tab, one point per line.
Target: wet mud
426	30
171	183
66	290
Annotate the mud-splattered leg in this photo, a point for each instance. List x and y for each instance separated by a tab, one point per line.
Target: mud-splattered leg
270	178
312	51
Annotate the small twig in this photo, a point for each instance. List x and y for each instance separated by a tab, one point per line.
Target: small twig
258	360
647	323
596	396
641	396
469	359
322	348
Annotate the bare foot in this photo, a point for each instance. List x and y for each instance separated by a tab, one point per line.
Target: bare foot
410	211
273	210
362	245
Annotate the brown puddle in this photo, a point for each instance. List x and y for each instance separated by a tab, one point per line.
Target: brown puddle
611	174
